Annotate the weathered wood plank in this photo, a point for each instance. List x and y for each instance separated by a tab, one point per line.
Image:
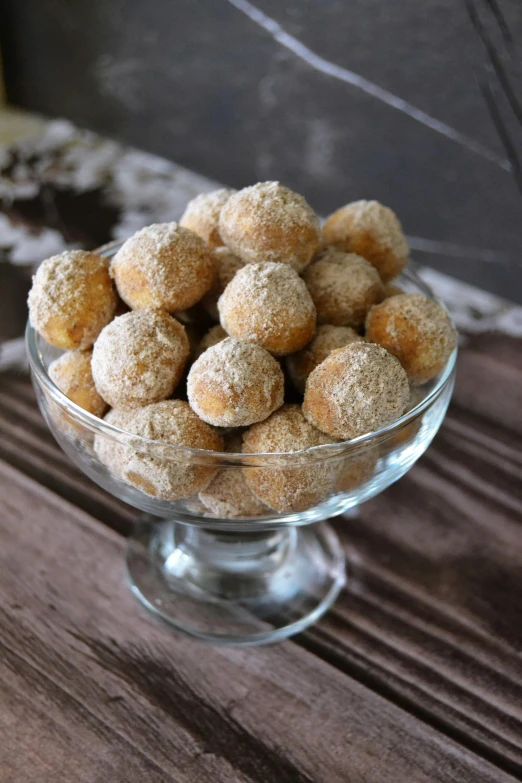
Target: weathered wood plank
489	382
26	443
431	618
93	689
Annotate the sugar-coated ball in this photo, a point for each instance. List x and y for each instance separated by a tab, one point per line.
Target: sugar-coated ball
214	336
302	481
371	230
343	287
356	390
268	304
234	384
269	222
150	467
164	266
227	266
108	448
139	358
228	495
327	339
415	329
201	215
72	299
72	373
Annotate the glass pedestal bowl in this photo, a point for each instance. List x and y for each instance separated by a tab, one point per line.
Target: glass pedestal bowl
233	579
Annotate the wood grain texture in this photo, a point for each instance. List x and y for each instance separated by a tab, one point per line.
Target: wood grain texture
431	618
93	689
26	443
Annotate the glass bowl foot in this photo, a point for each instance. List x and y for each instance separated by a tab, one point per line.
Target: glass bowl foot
236	588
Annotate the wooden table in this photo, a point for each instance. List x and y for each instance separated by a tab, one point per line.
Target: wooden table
414	675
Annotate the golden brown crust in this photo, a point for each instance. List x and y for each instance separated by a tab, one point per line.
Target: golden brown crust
71	372
214	336
201	215
164	266
407	432
343	287
269	222
416	330
356	470
139	358
371	230
110	449
234	384
304	483
356	390
268	304
227	266
327	339
72	299
145	466
228	495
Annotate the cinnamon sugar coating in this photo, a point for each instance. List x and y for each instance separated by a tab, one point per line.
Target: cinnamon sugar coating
269	222
153	468
237	256
227	266
228	495
234	384
371	230
268	304
110	449
407	433
299	485
327	339
343	287
214	336
139	358
201	215
71	372
164	266
72	299
356	390
356	470
416	330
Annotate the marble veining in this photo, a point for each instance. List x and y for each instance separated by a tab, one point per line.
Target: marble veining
314	60
437	247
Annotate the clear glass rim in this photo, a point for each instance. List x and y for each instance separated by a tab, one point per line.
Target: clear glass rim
325	451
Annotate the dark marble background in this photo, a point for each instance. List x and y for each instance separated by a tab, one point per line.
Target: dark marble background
413	103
